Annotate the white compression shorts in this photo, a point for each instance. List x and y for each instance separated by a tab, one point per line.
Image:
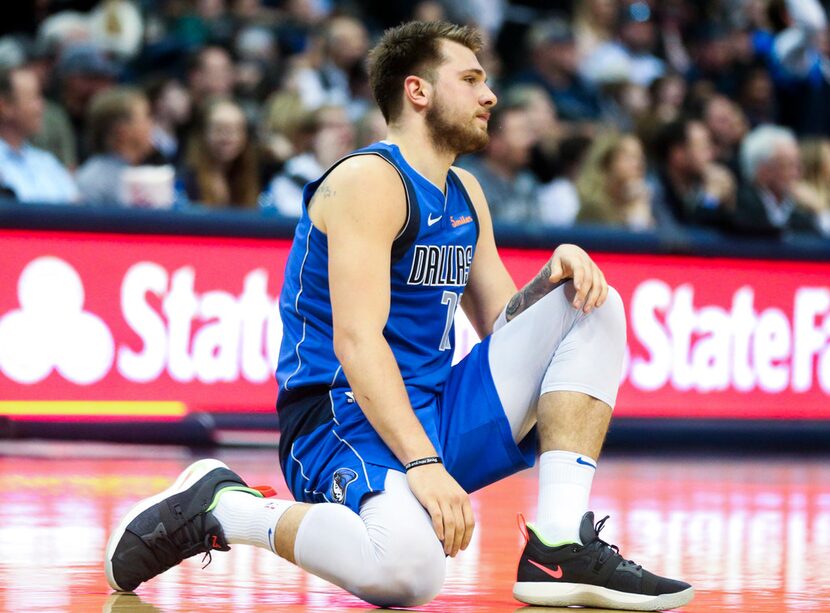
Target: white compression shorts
554	347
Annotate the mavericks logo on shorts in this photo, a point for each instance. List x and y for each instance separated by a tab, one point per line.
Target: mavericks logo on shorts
339	482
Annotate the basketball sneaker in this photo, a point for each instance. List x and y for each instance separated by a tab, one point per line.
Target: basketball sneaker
161	531
592	574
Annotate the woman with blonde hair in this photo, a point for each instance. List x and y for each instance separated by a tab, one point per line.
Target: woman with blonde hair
611	185
594	24
813	191
221	165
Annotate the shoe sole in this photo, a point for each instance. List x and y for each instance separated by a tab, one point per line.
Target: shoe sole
581	594
186	479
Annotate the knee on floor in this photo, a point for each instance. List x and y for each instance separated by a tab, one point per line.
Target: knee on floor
409	573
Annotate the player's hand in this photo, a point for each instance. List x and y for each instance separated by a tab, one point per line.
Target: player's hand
570	261
447	504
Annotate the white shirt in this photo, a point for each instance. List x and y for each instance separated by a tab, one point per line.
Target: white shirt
35	175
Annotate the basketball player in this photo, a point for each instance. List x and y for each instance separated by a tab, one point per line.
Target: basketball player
382	439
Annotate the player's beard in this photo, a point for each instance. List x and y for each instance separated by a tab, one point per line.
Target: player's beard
454	136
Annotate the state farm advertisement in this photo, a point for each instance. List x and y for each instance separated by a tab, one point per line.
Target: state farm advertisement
91	323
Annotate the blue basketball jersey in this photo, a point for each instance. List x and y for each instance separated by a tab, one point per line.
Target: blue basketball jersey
431	259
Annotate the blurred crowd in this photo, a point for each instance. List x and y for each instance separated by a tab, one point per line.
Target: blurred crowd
637	114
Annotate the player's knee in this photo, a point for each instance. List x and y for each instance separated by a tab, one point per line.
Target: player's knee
411	572
612	314
419	571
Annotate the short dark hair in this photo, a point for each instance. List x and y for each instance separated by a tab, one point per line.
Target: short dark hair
411	49
672	134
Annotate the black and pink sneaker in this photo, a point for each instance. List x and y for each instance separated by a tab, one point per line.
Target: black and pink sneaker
162	530
593	574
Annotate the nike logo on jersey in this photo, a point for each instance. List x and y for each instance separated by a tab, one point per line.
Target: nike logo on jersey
555	572
431	221
349	397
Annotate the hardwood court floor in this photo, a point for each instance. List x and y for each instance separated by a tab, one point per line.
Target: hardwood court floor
750	534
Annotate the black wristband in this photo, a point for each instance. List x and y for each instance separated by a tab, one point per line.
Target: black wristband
430	460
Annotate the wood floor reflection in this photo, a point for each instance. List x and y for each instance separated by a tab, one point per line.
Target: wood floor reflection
751	534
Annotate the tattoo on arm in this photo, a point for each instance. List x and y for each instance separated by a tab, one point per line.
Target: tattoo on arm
323	192
531	293
515	305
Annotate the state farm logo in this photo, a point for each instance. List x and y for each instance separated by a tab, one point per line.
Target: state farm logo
209	337
708	348
51	331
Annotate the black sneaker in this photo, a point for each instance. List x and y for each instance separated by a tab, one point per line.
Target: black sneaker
593	575
161	531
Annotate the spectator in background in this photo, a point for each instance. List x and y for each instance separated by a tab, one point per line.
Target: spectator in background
727	125
544	156
286	130
27	173
334	137
298	19
813	192
210	74
82	72
554	63
771	171
221	166
595	22
611	185
329	78
625	104
632	54
501	169
559	199
714	58
257	67
56	133
667	96
757	97
796	53
120	137
170	106
688	187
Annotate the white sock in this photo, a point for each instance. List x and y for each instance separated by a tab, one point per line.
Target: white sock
564	487
250	520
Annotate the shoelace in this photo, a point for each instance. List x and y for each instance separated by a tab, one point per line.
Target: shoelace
607	549
208	548
207	557
168	547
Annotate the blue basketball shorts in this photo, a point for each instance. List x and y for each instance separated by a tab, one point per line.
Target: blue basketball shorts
330	453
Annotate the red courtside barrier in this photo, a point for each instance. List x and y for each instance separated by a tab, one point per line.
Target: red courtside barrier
111	327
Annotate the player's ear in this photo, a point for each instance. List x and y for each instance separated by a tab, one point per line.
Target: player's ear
418	91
